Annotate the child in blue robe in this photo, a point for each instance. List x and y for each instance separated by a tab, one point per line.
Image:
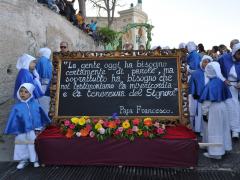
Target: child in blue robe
44	69
193	58
213	99
27	74
26	116
230	67
197	83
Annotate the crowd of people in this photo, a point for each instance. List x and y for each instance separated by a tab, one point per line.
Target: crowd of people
214	95
66	8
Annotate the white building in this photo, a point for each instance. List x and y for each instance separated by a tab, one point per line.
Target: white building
134	14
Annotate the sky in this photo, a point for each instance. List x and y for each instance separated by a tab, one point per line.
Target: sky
211	22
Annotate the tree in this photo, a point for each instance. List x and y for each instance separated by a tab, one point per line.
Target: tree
109	6
82	7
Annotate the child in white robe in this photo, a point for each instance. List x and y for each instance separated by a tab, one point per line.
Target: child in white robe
214	111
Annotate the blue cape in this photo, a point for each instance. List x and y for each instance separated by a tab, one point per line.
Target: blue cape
196	83
215	91
193	60
44	68
23	119
226	62
25	76
47	92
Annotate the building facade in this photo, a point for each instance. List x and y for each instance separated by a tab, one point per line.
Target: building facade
135	36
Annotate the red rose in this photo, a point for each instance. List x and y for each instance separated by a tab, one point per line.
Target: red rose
136	122
160	131
88	127
116	133
146	134
129	131
117	121
105	123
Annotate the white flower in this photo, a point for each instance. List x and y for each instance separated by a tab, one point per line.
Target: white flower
135	129
101	130
157	124
78	134
91	134
120	129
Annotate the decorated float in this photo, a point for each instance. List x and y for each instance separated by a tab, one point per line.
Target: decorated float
119	108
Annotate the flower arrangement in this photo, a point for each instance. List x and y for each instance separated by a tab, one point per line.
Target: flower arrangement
112	127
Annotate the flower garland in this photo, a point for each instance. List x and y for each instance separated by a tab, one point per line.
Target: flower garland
112	127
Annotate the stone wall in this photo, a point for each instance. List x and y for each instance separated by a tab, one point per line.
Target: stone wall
26	26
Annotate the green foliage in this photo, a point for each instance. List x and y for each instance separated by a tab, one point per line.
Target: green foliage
108	36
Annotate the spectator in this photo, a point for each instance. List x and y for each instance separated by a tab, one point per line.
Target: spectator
93	25
222	49
93	29
201	50
70	11
62	6
141	47
80	20
214	53
51	4
64	47
157	50
87	29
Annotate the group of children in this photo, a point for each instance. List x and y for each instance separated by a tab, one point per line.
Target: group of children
30	113
214	98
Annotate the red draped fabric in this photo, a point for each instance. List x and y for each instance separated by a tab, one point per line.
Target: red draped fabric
178	148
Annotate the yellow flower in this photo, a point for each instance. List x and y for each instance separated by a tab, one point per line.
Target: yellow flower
139	132
98	126
126	124
82	121
85	117
147	119
75	120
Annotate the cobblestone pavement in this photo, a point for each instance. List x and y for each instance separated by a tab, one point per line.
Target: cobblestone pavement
8	171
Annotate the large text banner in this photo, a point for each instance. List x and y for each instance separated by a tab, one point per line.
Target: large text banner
143	86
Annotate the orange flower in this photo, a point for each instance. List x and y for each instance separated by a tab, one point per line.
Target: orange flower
112	125
84	132
148	122
69	133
